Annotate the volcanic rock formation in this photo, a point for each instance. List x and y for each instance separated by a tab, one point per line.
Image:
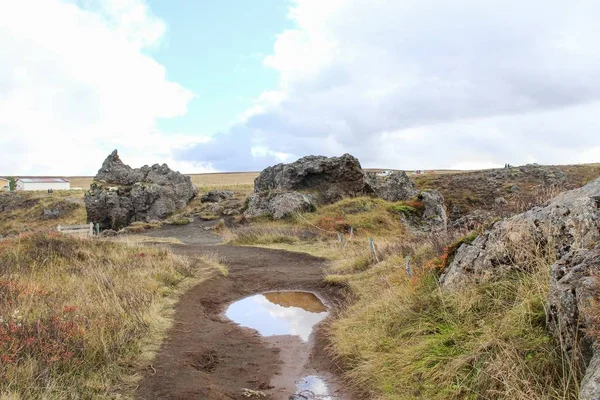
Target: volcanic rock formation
121	195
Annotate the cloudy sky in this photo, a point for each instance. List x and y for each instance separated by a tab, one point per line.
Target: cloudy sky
238	85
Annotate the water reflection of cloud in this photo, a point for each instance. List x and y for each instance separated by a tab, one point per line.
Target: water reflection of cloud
314	384
269	319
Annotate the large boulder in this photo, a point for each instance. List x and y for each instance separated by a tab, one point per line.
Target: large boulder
570	220
216	196
121	195
395	186
284	189
329	178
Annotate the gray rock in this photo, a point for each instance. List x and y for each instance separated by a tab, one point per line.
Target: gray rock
435	209
500	201
215	196
574	284
59	209
570	219
284	189
287	204
279	205
257	206
590	385
393	187
472	220
329	178
108	233
121	195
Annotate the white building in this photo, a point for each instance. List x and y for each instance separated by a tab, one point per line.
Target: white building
43	184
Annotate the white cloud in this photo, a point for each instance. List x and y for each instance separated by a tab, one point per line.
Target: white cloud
429	84
75	83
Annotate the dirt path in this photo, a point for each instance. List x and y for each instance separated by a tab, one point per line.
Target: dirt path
206	356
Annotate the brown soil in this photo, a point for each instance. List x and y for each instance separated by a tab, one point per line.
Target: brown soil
206	356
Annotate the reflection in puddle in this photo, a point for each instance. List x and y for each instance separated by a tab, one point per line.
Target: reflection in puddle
279	313
312	387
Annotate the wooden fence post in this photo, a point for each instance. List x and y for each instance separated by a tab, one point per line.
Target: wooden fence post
341	239
58	228
407	267
372	244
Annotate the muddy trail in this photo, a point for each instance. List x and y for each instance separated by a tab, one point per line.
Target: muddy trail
208	356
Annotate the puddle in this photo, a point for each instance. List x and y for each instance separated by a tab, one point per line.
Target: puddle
312	387
279	313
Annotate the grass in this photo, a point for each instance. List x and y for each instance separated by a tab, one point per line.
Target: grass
24	211
242	181
405	338
477	190
72	324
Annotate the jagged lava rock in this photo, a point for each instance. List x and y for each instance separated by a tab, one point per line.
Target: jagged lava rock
216	196
574	287
434	207
396	186
330	178
121	195
567	229
568	221
279	205
574	283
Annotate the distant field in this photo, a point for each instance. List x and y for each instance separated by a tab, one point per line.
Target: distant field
234	180
222	179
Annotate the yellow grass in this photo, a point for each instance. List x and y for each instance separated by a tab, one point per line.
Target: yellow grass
229	180
24	211
405	338
81	318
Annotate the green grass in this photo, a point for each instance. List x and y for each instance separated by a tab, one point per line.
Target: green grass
406	338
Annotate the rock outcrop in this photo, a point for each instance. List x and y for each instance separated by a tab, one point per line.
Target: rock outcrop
216	196
567	222
573	312
566	229
393	187
284	189
329	178
121	195
434	208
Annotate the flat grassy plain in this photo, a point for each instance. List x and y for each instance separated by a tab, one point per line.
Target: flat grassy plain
236	180
213	180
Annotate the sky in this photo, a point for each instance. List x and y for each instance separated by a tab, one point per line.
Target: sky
239	85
